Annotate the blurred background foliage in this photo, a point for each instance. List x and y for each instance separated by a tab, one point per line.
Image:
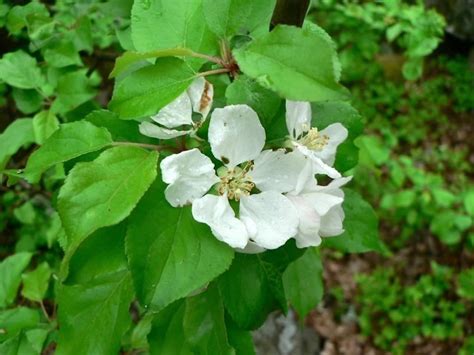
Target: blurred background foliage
409	65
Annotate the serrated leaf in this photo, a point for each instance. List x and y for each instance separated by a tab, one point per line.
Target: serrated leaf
45	123
16	135
170	254
35	283
163	24
145	91
297	63
227	18
303	282
20	70
361	227
104	191
129	58
70	141
10	276
28	342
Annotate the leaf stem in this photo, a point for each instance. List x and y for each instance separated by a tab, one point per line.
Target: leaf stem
44	311
209	58
215	71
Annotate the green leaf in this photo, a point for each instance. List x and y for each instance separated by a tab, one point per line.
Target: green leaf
20	70
128	58
25	213
361	227
27	100
145	91
70	141
62	54
250	289
227	18
247	91
163	24
35	283
94	304
466	284
17	134
203	323
170	254
73	90
45	123
240	340
104	191
326	113
29	342
167	333
303	282
12	321
10	276
299	64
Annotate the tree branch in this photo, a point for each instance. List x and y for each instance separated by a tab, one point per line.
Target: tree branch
290	12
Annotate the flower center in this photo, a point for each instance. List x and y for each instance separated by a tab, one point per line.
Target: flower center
235	182
314	140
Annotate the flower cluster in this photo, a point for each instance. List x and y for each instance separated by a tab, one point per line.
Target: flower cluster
257	198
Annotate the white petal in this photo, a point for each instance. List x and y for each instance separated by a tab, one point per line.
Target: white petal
334	185
332	222
322	202
319	167
309	223
298	117
270	218
337	133
251	248
177	113
152	130
190	175
216	212
201	93
280	171
235	134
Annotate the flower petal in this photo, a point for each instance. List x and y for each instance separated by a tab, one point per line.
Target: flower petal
177	113
201	93
235	134
280	171
270	218
322	202
319	167
215	211
190	175
152	130
332	222
309	223
337	133
251	248
298	117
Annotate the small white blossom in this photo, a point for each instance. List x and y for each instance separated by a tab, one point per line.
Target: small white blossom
265	220
176	118
319	146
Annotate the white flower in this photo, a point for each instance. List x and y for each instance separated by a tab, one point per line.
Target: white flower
319	208
319	146
320	211
179	113
265	220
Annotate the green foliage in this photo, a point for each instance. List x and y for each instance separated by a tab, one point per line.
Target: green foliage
421	309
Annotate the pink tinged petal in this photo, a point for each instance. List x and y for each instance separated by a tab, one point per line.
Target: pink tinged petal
332	222
152	130
337	133
319	167
270	218
201	93
215	211
309	223
190	175
177	113
280	171
298	117
235	134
